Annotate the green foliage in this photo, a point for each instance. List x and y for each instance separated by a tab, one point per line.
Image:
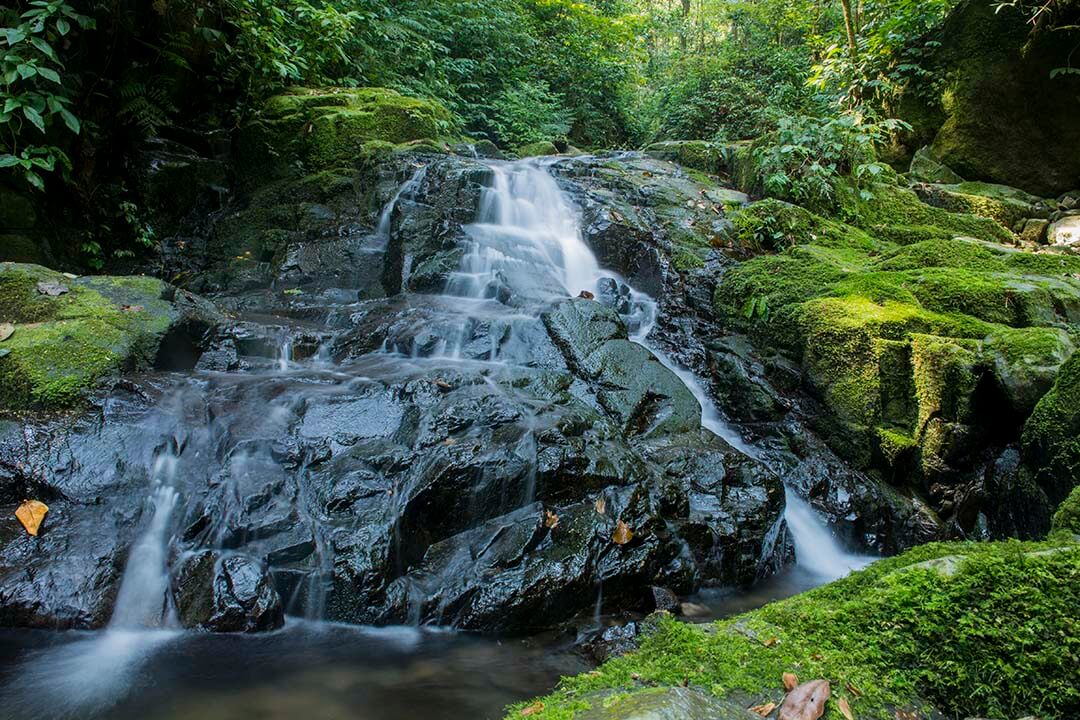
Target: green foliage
988	630
528	112
37	97
806	157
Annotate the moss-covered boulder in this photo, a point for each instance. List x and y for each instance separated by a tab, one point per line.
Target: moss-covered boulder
538	149
1067	517
1005	204
930	633
69	332
1007	119
928	344
1051	439
312	129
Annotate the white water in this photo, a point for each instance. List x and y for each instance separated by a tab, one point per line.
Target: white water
528	248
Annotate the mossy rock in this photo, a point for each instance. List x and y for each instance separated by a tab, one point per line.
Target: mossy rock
1051	439
312	129
925	168
63	344
922	632
708	157
538	149
1067	517
1008	120
1006	205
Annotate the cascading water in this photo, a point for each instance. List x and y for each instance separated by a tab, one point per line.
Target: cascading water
527	249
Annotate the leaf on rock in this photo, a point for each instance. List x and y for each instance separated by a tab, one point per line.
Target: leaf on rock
532	709
551	520
31	513
623	533
600	505
791	681
845	709
764	710
51	288
587	295
806	702
442	384
131	308
449	441
6	331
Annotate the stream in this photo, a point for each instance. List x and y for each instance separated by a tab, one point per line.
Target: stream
229	431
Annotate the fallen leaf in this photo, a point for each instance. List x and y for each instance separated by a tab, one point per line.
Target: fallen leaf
791	681
442	384
6	331
618	217
806	702
586	295
600	505
70	276
854	690
449	441
845	709
623	533
51	288
31	513
131	308
770	642
764	710
551	520
532	709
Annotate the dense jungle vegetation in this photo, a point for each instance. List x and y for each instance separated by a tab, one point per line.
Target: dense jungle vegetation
84	83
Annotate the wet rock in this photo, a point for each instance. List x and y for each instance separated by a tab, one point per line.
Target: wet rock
676	703
612	642
663	599
225	593
1065	231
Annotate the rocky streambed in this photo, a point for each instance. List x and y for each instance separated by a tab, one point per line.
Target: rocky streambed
443	391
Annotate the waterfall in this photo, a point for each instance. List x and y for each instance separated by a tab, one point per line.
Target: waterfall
143	598
527	249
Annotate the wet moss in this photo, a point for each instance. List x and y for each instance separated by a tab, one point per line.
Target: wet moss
1067	517
921	630
1051	438
63	344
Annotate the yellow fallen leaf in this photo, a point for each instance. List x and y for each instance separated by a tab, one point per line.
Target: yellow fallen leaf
6	331
764	710
854	690
551	520
845	709
532	709
442	384
791	681
600	505
770	642
31	513
623	533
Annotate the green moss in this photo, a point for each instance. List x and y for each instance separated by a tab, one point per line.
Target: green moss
314	129
945	376
891	205
945	253
988	630
771	225
535	149
700	155
1051	439
63	344
1067	517
1004	204
895	446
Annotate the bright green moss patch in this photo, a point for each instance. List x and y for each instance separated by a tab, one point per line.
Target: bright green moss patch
544	147
1067	517
988	630
1051	439
310	129
63	344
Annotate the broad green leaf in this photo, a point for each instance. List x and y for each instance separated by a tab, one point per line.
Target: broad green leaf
70	120
35	117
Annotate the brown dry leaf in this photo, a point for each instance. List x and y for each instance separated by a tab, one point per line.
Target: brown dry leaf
806	702
442	384
845	709
791	681
31	513
623	533
906	715
600	505
551	520
764	710
770	642
532	709
854	690
131	308
6	331
586	295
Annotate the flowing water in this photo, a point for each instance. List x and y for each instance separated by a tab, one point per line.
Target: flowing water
525	249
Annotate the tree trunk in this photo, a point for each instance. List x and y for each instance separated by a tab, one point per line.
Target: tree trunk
849	23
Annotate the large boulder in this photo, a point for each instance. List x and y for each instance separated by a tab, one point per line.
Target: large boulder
225	593
69	332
